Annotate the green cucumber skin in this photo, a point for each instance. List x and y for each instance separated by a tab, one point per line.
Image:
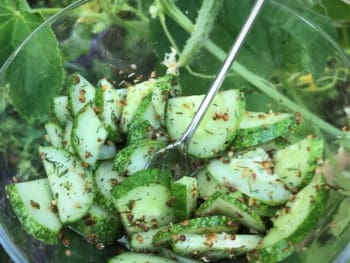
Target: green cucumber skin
318	207
272	254
98	229
103	202
257	135
315	149
141	131
122	159
31	226
165	88
141	178
207	208
185	193
280	247
133	257
200	225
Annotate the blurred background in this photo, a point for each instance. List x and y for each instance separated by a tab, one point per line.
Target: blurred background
337	10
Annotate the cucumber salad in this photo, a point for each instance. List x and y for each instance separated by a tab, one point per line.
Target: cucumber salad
253	191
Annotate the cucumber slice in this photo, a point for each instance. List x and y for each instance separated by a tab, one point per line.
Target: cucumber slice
81	93
142	241
133	257
144	200
262	209
300	215
72	185
232	205
134	157
201	225
249	176
98	226
207	185
218	127
134	96
296	163
165	88
259	127
31	202
274	253
61	109
54	134
214	246
88	135
185	193
67	137
106	178
146	112
111	104
171	255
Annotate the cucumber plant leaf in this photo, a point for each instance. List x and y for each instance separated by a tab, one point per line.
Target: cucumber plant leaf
36	74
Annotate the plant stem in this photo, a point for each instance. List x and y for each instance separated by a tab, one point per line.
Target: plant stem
47	11
204	25
260	83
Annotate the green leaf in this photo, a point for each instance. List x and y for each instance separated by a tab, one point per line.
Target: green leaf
36	74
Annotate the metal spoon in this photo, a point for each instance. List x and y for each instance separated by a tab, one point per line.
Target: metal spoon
174	156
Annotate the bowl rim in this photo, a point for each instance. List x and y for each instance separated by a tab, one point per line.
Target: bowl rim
16	255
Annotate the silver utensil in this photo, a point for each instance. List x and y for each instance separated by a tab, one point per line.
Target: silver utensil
174	157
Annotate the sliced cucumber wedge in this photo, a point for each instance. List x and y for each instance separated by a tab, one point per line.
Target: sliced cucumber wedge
98	226
208	185
134	96
142	241
67	137
61	109
296	163
106	178
133	257
201	225
111	105
185	193
88	135
134	157
72	185
165	88
81	93
300	214
259	127
218	127
214	246
168	253
250	176
144	200
54	134
32	203
232	205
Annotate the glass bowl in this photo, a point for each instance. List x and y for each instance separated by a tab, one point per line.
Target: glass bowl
290	61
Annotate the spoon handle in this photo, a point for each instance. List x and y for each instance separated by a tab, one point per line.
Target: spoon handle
187	136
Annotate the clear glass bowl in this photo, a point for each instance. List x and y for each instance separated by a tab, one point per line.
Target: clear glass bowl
96	43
